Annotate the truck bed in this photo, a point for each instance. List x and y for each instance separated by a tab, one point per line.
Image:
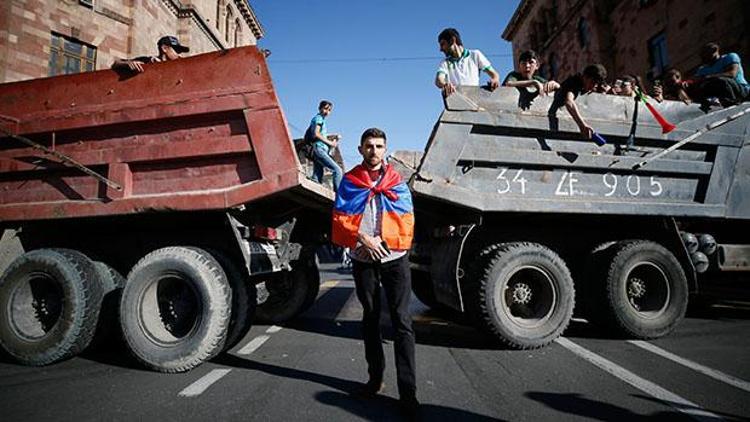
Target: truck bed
200	133
489	155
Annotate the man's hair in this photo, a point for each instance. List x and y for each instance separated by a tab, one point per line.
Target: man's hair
528	56
324	103
450	33
710	47
597	72
672	71
372	132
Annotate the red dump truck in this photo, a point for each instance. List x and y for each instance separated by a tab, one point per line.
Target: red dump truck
160	199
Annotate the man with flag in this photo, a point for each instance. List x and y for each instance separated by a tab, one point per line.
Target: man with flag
374	217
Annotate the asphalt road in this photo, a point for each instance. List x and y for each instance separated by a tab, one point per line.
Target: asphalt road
306	370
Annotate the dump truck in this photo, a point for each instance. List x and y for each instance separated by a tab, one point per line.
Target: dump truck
167	203
521	221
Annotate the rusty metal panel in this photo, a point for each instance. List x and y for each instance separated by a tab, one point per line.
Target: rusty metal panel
488	154
204	132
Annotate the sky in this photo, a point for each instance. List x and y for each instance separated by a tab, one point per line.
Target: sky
374	59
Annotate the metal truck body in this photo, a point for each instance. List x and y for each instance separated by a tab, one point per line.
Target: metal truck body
183	178
535	221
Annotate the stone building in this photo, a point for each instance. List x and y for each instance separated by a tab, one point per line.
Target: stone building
642	37
40	38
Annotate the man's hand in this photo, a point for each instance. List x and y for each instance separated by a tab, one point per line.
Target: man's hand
373	245
658	93
135	66
539	87
550	86
493	83
586	130
448	89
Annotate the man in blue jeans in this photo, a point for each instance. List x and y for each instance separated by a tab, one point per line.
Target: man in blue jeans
322	144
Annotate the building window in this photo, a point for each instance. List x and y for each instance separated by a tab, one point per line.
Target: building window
68	55
237	33
657	52
228	23
583	33
218	15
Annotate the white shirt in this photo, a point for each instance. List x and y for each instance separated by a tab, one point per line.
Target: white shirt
465	70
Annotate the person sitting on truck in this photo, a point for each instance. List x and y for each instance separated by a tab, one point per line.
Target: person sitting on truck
721	78
628	86
581	83
461	66
169	48
673	87
525	75
317	134
373	215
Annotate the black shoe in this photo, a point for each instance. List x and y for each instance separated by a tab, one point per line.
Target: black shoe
371	389
409	408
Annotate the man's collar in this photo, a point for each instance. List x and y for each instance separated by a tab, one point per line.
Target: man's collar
464	55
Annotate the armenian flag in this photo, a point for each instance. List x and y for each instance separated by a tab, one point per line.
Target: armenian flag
356	190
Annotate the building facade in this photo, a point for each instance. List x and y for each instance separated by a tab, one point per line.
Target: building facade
40	38
640	37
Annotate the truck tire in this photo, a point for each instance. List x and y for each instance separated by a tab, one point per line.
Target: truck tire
112	283
243	298
286	294
526	295
421	285
645	290
49	306
175	309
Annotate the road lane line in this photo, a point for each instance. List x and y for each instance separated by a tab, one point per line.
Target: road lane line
253	345
705	370
273	329
203	383
329	284
683	405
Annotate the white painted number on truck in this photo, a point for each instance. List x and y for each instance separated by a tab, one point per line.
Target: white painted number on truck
512	181
632	185
505	185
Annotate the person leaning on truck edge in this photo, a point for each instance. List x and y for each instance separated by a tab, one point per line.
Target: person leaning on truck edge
373	215
317	134
169	48
525	76
461	66
580	83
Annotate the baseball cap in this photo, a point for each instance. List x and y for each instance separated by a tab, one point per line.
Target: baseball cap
172	42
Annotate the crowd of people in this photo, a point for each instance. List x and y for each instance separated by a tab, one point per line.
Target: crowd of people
718	82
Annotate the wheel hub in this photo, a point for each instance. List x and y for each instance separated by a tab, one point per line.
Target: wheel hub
636	288
521	294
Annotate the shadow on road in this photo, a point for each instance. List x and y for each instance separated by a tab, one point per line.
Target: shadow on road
377	408
386	408
575	404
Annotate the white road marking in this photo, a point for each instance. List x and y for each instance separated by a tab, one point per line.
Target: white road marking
253	345
203	383
683	405
273	329
713	373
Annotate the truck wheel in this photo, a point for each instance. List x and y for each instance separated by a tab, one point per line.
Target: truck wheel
526	295
175	309
645	290
243	299
421	285
49	304
286	294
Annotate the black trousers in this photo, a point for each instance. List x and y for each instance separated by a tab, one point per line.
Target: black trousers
395	277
